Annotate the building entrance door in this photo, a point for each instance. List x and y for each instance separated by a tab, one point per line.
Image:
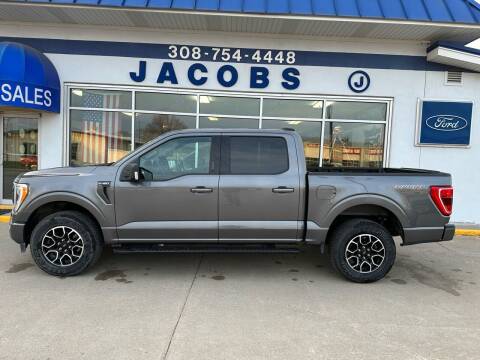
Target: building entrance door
19	150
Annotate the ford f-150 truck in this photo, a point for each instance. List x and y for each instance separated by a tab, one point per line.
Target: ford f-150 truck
228	190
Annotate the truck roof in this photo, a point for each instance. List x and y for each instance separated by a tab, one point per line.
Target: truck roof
239	130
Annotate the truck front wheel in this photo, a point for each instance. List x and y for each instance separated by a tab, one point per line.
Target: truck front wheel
65	243
362	250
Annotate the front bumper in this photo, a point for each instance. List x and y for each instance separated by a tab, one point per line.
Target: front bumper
17	232
414	236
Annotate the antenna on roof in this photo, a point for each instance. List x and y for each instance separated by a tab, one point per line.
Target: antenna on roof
288	129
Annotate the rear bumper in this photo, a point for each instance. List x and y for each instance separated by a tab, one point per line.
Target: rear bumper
414	236
17	232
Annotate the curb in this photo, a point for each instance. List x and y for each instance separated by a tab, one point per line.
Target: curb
458	232
467	232
4	218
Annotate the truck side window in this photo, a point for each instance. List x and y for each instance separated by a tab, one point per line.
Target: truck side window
177	157
258	155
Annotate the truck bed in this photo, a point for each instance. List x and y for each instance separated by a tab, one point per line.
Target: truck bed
404	193
374	171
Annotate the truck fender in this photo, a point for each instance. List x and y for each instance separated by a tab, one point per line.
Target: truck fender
62	196
367	199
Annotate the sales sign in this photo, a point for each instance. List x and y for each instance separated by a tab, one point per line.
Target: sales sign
445	122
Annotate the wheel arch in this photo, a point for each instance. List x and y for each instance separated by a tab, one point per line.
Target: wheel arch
51	203
377	208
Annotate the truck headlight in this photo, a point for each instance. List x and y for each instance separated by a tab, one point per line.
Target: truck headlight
20	193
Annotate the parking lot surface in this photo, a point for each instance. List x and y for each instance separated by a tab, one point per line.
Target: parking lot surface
242	306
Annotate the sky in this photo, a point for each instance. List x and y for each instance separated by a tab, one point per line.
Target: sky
475	44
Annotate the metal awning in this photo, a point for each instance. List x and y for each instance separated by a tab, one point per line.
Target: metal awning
427	20
28	79
448	11
454	54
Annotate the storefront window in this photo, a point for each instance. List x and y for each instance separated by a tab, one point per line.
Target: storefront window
98	137
356	110
166	102
354	129
100	99
215	122
223	105
312	109
353	145
310	131
150	126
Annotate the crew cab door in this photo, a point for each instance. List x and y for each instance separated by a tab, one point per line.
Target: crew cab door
176	198
259	193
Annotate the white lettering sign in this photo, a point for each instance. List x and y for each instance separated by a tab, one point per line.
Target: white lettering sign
446	123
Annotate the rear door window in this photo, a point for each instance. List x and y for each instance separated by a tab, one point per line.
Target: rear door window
256	155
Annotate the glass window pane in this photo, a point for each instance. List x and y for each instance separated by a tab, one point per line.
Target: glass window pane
166	102
310	131
293	108
351	110
103	99
258	155
353	145
223	105
20	150
214	122
150	126
177	157
98	137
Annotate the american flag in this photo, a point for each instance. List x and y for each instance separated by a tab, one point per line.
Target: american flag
101	130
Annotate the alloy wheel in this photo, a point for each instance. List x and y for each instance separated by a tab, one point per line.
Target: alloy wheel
365	253
62	246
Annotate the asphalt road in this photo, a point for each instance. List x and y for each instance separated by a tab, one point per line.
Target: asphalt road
242	306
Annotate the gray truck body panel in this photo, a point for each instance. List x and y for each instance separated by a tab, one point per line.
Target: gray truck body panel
239	208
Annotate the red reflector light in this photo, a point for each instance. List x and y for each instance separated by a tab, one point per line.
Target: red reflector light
442	197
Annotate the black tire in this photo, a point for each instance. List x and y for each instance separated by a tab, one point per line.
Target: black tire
367	239
66	234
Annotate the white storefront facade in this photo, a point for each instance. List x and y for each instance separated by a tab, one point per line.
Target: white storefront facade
356	101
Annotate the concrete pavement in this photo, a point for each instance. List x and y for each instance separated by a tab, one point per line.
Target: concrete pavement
242	306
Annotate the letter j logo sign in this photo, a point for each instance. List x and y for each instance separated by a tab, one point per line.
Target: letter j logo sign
359	81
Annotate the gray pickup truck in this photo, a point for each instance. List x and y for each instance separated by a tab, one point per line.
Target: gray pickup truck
228	190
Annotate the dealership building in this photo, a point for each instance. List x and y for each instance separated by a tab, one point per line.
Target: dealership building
366	83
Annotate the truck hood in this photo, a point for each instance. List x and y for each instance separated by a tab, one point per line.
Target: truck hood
61	171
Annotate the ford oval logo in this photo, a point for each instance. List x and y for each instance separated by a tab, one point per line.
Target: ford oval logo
446	123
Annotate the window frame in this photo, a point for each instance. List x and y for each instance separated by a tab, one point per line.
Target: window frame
225	159
214	168
197	93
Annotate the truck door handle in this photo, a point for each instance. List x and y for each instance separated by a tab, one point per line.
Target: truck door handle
283	190
201	190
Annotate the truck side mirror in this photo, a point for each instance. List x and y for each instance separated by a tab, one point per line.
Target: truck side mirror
131	172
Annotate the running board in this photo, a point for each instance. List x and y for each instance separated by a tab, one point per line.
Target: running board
202	248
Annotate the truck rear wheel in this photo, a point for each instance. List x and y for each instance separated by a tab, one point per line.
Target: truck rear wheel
65	243
362	250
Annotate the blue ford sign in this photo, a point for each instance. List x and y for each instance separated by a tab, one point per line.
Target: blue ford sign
445	123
